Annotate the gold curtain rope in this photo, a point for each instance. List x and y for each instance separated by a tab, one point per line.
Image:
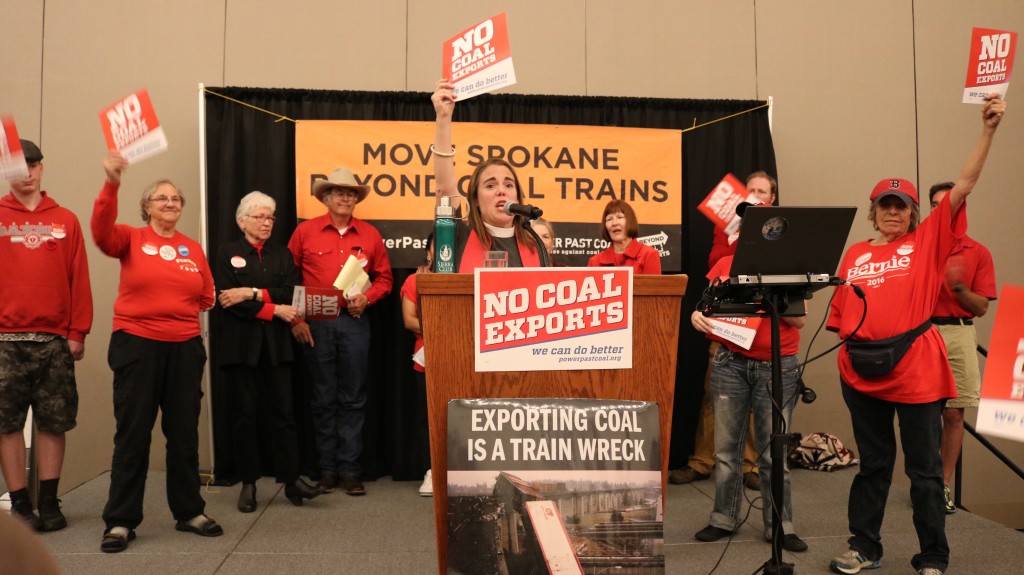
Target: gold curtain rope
278	116
695	125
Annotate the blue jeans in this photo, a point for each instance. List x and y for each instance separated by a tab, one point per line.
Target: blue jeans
338	364
740	385
920	435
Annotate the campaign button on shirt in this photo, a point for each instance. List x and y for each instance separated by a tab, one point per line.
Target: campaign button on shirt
149	249
361	256
906	249
183	250
238	262
167	252
57	231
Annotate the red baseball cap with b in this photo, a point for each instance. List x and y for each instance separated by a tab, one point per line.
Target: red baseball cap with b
898	187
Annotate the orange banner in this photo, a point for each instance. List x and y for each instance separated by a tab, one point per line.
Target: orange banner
569	171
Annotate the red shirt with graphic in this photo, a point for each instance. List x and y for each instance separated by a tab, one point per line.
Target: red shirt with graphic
321	250
409	292
761	346
971	265
165	282
44	285
901	282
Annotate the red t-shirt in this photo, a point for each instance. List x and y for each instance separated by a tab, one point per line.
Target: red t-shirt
761	347
974	269
408	292
720	246
901	282
642	258
165	282
320	251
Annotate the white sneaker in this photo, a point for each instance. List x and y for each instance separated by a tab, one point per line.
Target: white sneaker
427	489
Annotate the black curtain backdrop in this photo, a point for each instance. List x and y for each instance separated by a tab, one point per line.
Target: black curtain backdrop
248	150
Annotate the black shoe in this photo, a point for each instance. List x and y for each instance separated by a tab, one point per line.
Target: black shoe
791	542
247	498
328	483
296	492
352	485
712	533
50	517
23	508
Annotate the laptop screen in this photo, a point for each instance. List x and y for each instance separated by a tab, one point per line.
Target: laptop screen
776	240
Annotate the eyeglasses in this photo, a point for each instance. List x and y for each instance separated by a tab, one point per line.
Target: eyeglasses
344	194
263	219
166	200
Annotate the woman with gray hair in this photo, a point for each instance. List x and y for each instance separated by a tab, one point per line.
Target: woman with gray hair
894	363
255	280
156	353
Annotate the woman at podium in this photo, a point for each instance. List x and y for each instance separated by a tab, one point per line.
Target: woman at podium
493	185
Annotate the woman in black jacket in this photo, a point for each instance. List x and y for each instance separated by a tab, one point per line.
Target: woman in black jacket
255	280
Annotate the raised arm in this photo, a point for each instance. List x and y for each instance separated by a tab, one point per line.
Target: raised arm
444	164
991	115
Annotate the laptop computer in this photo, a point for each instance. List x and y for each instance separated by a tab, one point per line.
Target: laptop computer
791	250
782	244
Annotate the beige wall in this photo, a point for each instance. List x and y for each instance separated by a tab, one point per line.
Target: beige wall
861	91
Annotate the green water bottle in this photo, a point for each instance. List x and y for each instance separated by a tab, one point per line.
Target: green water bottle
444	237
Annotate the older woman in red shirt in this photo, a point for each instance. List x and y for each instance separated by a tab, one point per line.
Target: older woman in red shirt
156	353
621	229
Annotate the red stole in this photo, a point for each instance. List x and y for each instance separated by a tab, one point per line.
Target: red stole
473	254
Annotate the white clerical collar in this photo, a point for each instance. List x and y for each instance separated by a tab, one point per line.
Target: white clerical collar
500	232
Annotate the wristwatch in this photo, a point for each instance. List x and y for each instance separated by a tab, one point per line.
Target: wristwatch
255	294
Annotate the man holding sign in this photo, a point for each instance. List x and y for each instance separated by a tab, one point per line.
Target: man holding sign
760	188
45	313
740	378
336	349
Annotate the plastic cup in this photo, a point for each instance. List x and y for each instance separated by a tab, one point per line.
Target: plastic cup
496	259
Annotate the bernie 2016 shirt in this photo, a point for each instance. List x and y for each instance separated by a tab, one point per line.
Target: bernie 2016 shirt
165	282
901	282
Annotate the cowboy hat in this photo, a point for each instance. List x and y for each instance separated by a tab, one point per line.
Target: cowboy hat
341	178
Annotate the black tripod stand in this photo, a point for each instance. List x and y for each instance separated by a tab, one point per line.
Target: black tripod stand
757	297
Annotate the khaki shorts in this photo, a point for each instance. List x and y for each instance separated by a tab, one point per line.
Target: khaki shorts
962	347
41	375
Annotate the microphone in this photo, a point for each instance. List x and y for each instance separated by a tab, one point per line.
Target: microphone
525	210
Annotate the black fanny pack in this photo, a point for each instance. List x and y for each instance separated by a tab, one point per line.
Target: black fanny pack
877	357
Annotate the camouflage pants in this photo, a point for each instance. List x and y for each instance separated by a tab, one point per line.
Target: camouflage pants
41	375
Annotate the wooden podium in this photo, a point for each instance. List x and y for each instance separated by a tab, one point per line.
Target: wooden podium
446	307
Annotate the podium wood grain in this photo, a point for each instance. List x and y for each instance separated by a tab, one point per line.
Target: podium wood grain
446	307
